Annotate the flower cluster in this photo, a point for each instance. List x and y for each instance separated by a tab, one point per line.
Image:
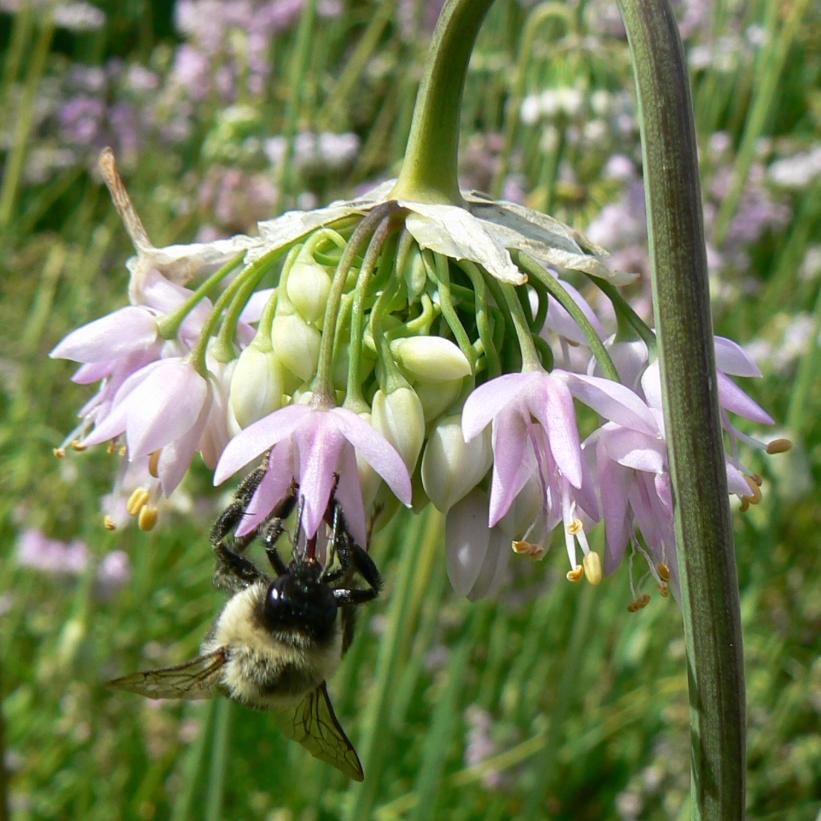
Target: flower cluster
387	351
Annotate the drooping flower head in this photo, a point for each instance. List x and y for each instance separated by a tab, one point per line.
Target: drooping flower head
384	351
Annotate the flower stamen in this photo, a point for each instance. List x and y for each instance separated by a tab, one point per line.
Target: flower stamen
592	567
137	501
779	446
154	463
533	551
576	573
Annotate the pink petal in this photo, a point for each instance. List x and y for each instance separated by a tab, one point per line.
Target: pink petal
733	399
175	457
509	440
349	496
257	438
736	481
733	359
272	489
164	407
116	420
109	337
320	445
554	409
617	526
376	451
489	399
635	450
612	401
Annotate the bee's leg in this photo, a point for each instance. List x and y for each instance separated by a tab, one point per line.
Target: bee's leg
232	515
273	528
353	556
343	595
234	572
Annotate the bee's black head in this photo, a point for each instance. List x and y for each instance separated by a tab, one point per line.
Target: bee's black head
298	601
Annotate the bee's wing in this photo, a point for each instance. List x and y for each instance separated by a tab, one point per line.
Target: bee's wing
197	678
314	725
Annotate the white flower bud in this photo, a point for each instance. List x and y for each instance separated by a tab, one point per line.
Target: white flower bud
369	479
398	416
451	467
256	385
307	288
431	358
296	345
477	556
437	397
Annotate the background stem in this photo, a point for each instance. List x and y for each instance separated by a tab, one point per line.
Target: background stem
709	585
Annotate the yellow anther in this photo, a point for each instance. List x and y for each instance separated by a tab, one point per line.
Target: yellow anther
154	463
575	574
575	527
147	518
640	603
59	453
123	450
524	548
664	590
78	446
755	496
592	568
779	446
108	523
664	571
136	501
111	448
745	504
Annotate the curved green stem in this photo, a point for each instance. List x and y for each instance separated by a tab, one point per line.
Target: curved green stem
168	326
704	536
252	274
530	359
625	313
323	384
551	284
429	170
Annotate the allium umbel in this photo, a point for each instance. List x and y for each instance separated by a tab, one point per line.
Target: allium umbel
382	345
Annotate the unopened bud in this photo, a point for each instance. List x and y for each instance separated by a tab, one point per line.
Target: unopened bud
438	397
450	466
399	418
296	345
431	358
256	385
307	288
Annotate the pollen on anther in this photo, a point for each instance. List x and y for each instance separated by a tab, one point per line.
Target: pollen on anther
78	446
592	568
755	495
147	518
779	446
108	523
59	453
524	548
664	571
137	501
576	573
575	527
664	591
111	448
123	450
153	463
639	604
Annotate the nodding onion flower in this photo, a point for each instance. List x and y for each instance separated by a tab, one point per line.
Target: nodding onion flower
384	351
